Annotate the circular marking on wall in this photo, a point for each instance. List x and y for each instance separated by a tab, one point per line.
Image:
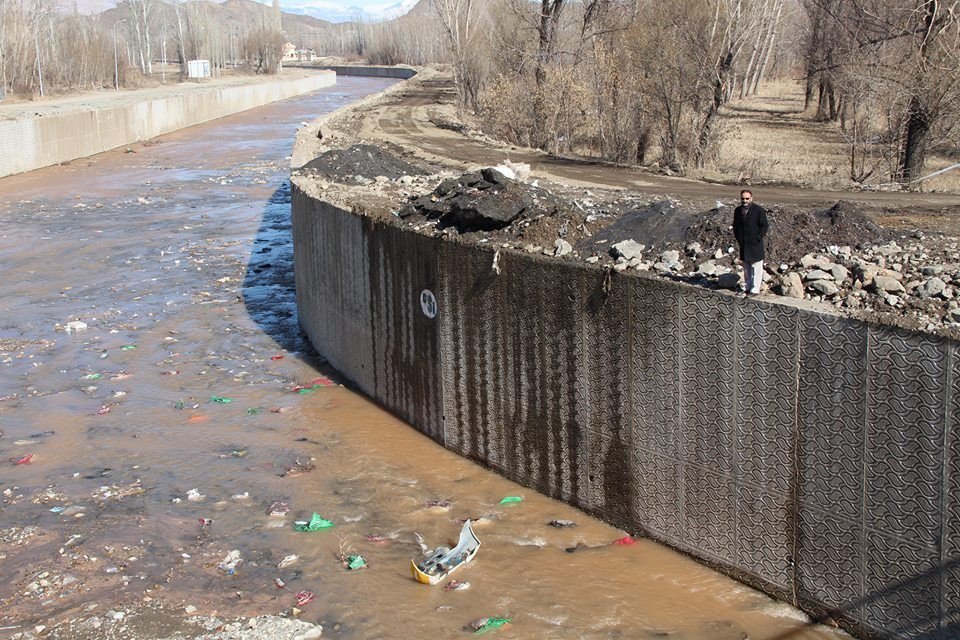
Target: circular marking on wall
428	303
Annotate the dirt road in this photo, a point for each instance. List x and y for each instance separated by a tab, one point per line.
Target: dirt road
409	120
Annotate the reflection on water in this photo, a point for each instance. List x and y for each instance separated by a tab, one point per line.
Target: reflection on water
179	425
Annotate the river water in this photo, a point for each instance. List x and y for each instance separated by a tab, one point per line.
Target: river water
154	442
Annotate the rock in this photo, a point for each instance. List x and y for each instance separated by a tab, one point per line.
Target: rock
593	259
620	266
718	254
670	257
694	249
532	248
888	249
75	325
818	274
886	284
932	269
493	176
627	249
562	247
662	267
707	268
729	281
840	272
478	212
812	260
824	287
953	315
791	285
190	609
932	287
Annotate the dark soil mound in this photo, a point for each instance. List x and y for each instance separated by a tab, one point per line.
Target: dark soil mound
794	232
660	224
366	160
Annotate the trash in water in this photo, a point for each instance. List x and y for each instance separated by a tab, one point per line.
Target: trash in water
376	538
437	504
280	583
355	562
75	325
194	495
456	585
315	384
511	500
442	561
105	409
238	453
92	376
316	524
206	522
287	561
252	411
26	458
221	399
128	347
277	357
482	625
58	509
303	597
624	541
560	524
298	468
229	564
278	508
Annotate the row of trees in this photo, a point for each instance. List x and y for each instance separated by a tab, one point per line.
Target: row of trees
644	80
628	80
44	51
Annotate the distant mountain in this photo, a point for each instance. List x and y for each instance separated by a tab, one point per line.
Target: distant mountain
326	10
337	12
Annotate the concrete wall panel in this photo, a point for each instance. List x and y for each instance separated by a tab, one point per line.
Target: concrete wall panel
32	143
815	457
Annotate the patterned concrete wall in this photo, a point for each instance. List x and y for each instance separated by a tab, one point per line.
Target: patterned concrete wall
31	143
814	457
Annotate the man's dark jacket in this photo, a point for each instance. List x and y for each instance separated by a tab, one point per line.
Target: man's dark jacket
749	227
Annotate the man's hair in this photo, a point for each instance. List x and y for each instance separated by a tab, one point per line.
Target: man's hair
746	191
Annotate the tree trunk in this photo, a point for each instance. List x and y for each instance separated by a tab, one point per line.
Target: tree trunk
916	135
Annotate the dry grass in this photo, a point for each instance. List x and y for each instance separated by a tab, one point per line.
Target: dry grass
768	138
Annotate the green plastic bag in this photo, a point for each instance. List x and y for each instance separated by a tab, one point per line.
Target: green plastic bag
355	562
316	524
492	623
128	347
511	500
221	400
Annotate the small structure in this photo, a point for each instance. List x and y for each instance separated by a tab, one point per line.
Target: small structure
198	68
306	55
289	51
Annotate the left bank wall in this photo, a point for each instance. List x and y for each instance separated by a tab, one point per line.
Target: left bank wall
32	143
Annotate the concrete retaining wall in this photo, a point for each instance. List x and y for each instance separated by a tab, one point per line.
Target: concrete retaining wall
814	457
401	73
32	143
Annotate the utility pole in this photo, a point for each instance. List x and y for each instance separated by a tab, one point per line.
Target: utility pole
116	63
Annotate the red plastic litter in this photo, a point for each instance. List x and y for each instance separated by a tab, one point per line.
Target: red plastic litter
303	597
376	538
206	522
276	357
323	381
624	541
24	459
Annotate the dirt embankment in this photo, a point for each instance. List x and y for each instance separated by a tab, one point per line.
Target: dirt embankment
879	256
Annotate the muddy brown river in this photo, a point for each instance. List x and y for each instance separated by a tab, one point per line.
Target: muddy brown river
164	423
